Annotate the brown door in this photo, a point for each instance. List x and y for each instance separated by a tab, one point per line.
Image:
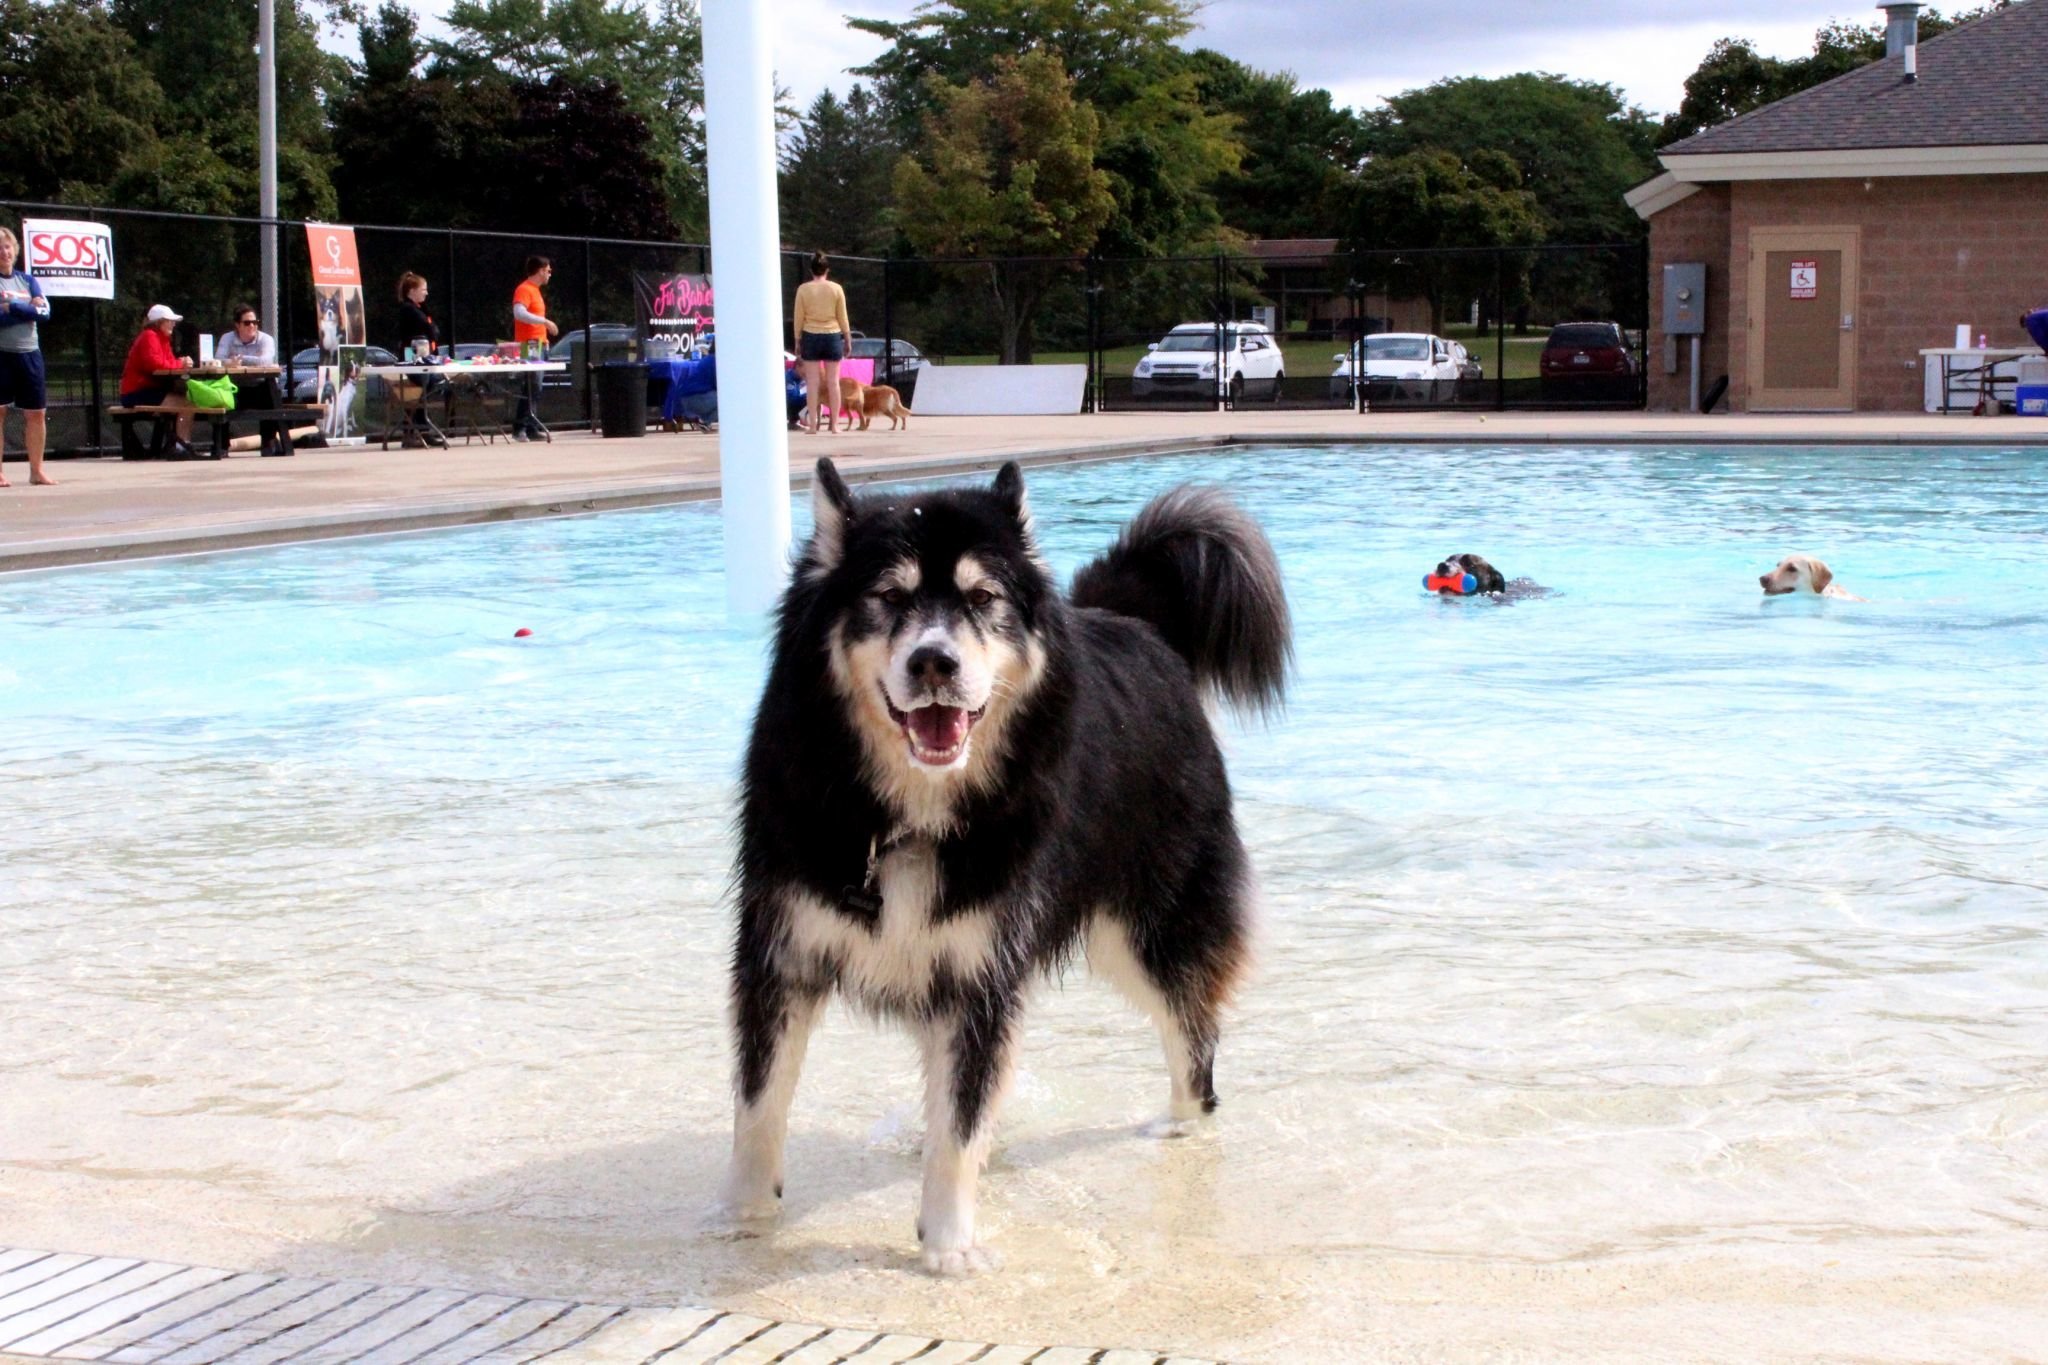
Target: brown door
1802	319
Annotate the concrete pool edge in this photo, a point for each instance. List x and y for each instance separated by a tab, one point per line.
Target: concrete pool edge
567	500
72	1306
578	498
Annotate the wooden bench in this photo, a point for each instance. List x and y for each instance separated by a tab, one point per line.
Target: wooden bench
274	423
163	421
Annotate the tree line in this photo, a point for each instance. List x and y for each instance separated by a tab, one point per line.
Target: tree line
985	129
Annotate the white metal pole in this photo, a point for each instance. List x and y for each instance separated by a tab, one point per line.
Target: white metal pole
1695	372
266	156
746	237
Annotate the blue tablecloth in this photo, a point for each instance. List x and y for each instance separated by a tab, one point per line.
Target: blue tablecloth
684	377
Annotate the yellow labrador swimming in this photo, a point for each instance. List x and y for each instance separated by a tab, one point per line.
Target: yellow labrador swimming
1803	573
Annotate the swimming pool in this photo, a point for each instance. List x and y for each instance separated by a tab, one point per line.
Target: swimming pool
1653	954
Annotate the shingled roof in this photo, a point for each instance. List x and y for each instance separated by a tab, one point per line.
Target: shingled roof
1982	84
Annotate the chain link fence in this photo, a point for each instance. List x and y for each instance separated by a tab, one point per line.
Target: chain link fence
1286	328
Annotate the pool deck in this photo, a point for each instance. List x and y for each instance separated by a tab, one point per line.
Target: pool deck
70	1307
110	510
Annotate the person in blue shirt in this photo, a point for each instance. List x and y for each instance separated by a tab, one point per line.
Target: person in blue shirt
2036	324
793	395
22	306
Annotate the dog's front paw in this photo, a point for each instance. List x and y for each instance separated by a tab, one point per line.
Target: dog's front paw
746	1210
1170	1127
957	1263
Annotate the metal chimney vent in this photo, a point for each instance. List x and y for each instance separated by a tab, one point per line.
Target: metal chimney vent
1902	30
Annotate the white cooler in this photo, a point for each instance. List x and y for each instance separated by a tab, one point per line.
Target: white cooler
2030	397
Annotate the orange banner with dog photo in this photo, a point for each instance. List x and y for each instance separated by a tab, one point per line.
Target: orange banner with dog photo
337	287
341	327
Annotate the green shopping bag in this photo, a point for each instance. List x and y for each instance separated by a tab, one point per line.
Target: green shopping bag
211	393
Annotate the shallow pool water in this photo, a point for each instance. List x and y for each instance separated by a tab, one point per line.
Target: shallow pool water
1649	954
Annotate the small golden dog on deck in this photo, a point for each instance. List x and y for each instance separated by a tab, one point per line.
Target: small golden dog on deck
882	401
869	401
1803	573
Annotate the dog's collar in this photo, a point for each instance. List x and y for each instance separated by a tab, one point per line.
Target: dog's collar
867	897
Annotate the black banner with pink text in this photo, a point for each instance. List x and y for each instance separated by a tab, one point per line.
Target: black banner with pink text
676	306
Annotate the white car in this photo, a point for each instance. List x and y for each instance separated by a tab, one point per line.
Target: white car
1191	361
1411	363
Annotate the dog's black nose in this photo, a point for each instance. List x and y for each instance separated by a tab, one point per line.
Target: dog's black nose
932	665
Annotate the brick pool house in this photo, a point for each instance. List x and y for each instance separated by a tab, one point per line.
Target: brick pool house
1847	226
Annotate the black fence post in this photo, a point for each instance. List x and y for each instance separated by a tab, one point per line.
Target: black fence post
92	350
284	305
888	328
1354	340
1500	330
1090	291
589	340
1221	398
448	289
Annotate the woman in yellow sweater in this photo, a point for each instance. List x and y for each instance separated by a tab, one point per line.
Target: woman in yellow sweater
822	337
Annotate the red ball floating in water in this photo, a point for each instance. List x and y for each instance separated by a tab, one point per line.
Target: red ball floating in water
521	633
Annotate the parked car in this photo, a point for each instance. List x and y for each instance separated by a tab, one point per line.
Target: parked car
1585	358
612	340
1409	364
1193	360
903	356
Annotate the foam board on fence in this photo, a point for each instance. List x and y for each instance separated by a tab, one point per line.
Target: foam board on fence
858	367
1000	390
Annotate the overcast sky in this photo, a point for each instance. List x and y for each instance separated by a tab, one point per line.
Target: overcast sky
1364	50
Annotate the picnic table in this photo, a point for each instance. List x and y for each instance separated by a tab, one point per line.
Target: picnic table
256	400
469	385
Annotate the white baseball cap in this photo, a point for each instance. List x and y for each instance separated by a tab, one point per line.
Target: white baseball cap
160	313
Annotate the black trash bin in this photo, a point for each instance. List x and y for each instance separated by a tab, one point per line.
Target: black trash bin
622	398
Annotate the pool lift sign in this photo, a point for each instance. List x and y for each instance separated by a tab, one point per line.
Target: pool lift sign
1806	279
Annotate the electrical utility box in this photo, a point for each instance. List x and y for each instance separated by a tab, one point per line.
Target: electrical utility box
1685	299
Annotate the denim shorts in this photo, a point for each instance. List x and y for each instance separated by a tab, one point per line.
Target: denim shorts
823	346
21	381
144	398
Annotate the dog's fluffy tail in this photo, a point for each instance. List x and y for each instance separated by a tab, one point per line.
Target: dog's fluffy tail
1203	574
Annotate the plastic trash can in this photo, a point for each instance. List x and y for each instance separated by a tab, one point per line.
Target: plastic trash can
622	398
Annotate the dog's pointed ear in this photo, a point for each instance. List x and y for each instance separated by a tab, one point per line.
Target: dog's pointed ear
1010	489
831	514
1818	574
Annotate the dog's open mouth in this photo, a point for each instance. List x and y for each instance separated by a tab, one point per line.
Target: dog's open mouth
937	734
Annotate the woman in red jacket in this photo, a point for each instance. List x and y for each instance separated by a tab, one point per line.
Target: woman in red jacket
142	386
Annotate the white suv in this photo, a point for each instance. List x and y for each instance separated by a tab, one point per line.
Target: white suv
1191	361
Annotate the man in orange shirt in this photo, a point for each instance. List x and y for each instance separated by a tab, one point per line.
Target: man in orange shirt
530	323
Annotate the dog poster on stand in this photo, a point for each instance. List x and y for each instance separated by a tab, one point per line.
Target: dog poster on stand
339	323
674	308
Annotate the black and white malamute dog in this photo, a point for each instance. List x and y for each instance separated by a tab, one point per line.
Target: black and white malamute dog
959	779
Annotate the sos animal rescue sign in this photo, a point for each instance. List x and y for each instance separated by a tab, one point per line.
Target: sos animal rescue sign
69	259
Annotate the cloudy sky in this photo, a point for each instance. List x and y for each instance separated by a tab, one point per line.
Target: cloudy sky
1364	50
